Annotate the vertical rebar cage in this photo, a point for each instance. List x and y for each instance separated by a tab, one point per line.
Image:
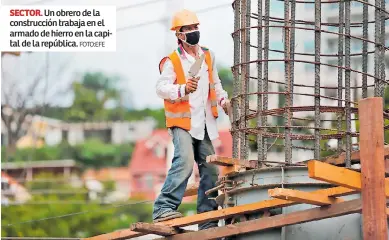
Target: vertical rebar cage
299	69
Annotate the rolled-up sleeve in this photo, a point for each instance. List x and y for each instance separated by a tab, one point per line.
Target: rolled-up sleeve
221	94
165	87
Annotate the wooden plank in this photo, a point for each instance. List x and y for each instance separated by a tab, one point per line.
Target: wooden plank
227	162
117	235
245	209
230	165
335	160
249	164
318	213
338	176
355	157
303	197
371	144
191	190
231	169
161	230
222	214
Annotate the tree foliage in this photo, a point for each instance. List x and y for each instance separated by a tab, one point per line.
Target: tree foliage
66	218
96	90
91	96
92	153
56	215
227	79
27	94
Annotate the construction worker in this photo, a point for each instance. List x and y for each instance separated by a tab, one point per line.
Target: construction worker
191	113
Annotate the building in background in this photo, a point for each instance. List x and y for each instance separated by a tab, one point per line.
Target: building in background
12	192
148	164
95	180
25	171
38	131
108	132
330	46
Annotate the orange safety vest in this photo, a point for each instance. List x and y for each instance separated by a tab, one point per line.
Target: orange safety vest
177	112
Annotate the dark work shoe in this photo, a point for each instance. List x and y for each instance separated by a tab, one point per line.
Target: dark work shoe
167	216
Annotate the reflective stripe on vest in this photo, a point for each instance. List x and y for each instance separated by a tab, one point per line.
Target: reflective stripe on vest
178	115
212	92
177	112
185	98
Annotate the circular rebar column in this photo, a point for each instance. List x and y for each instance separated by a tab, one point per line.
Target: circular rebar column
300	68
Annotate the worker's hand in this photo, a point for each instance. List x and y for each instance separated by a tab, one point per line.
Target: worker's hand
191	85
226	106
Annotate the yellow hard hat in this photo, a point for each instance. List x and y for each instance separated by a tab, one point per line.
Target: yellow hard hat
184	18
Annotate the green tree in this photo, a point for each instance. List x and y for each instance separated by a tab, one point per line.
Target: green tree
56	214
93	153
328	152
227	79
96	154
91	96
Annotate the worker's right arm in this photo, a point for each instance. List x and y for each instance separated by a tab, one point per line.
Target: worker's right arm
165	86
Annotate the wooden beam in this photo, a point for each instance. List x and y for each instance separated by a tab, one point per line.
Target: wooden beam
371	143
227	162
222	214
303	197
340	159
338	176
245	209
231	165
191	190
249	164
318	213
231	169
335	160
161	230
117	235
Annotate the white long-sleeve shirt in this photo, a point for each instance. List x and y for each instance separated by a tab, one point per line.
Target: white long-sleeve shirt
200	106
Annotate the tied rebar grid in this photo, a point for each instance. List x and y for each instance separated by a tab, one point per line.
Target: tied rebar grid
297	80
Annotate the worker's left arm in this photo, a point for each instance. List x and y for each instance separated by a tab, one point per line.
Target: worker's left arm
221	94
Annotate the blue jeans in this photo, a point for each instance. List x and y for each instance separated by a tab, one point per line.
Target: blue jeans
187	150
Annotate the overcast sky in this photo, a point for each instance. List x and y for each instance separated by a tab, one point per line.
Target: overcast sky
139	49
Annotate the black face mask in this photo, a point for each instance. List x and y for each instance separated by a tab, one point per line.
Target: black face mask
192	38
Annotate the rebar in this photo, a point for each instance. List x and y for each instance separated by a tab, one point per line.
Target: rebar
300	94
